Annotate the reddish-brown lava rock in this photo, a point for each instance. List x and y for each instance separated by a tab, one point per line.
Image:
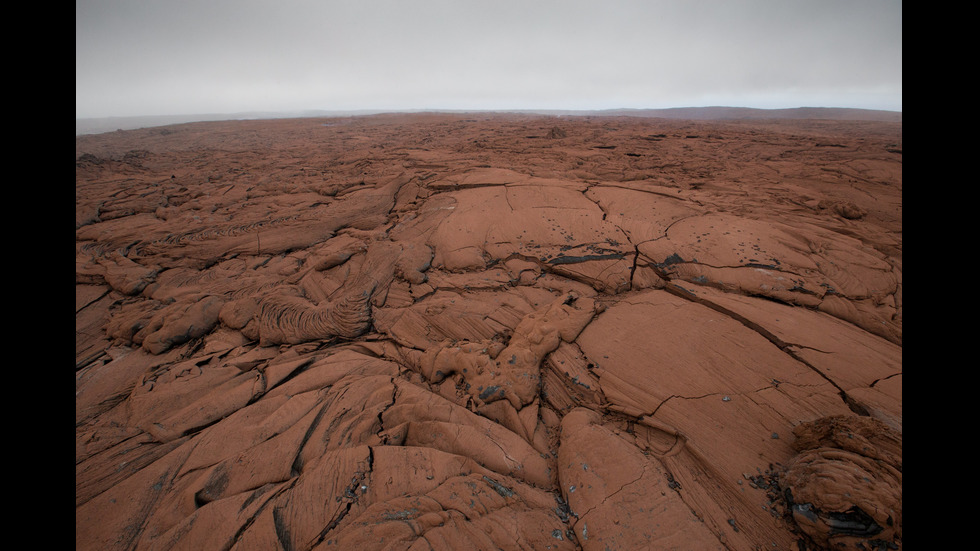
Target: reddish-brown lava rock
489	331
845	486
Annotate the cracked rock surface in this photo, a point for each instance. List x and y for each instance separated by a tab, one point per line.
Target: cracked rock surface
475	331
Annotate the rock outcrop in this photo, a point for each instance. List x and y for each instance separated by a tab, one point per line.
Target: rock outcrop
489	332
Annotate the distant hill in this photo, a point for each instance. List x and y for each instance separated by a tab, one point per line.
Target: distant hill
729	113
110	124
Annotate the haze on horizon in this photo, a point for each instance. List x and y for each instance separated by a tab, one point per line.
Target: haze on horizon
179	57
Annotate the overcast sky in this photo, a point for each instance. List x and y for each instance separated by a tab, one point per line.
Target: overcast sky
177	57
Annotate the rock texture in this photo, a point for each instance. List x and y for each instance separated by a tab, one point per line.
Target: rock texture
443	331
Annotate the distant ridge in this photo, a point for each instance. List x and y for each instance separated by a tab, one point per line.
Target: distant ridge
110	124
730	113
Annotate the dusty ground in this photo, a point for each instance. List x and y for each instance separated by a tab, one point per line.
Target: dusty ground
488	331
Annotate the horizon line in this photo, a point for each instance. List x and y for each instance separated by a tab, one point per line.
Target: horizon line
393	110
101	125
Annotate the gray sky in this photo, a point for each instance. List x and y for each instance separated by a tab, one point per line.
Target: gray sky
175	57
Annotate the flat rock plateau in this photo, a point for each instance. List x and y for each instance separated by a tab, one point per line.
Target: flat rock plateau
489	331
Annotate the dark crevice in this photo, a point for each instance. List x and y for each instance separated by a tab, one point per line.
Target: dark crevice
776	341
351	495
296	467
381	413
281	529
251	520
872	385
636	258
